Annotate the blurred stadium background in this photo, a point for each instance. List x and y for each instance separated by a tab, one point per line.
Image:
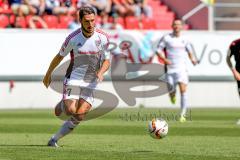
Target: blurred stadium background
32	33
27	49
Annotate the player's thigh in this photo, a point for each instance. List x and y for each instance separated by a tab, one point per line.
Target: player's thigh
82	110
70	98
182	79
70	106
86	96
85	101
83	106
171	79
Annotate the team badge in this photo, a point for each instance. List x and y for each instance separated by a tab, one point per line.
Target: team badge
97	42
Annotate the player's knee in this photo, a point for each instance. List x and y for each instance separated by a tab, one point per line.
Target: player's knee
60	111
70	110
70	107
83	109
183	90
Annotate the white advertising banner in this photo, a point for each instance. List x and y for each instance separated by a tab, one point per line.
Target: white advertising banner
29	52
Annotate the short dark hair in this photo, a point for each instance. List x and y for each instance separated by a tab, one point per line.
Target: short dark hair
85	10
178	19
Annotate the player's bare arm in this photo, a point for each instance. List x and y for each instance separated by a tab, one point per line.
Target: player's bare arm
163	57
55	62
236	74
192	58
103	69
228	59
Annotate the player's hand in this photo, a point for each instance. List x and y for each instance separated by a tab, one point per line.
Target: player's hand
194	62
167	62
236	74
99	77
47	80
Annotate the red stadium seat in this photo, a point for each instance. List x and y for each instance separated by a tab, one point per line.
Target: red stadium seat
131	23
159	9
164	24
187	26
5	9
74	3
148	23
4	21
98	20
52	21
28	18
37	23
64	21
154	2
12	19
21	22
120	20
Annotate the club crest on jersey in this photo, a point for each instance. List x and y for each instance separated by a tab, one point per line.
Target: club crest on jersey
97	42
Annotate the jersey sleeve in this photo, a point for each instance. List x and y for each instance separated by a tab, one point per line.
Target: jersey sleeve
106	53
162	44
189	48
66	47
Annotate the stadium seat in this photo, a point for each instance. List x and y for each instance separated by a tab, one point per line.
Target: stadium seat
187	26
64	21
28	18
21	21
120	20
164	22
148	23
170	15
5	9
162	15
4	21
98	20
74	3
12	19
52	21
154	2
37	23
131	23
159	9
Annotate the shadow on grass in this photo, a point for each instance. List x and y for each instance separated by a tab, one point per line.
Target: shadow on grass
23	145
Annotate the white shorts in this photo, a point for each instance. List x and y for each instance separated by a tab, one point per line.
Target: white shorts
175	78
77	92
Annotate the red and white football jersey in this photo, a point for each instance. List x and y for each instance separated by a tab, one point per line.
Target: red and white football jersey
87	55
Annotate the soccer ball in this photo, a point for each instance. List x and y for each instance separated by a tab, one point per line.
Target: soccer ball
158	128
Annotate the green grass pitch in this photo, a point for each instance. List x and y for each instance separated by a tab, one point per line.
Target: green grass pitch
211	134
